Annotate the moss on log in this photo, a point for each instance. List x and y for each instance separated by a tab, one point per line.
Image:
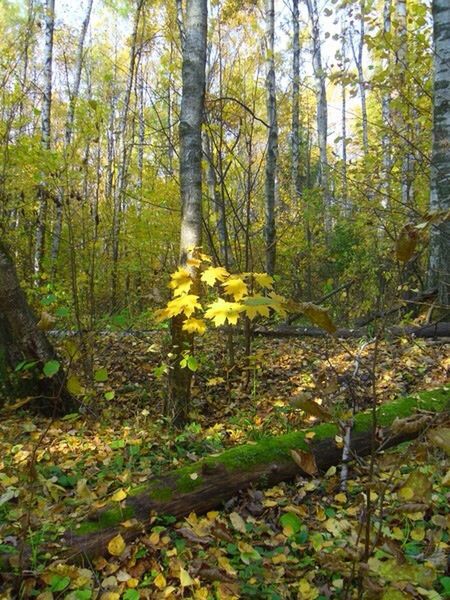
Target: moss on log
204	485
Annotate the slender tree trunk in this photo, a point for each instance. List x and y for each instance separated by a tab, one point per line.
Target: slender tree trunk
386	113
295	135
358	58
345	202
270	233
121	183
439	261
49	24
73	97
322	108
191	117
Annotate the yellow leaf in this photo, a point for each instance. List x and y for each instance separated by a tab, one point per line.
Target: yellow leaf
132	582
119	495
110	596
83	492
341	498
279	304
160	581
213	274
264	280
238	522
185	579
193	262
117	545
185	304
306	591
193	476
161	314
194	325
180	282
74	386
235	287
220	311
257	305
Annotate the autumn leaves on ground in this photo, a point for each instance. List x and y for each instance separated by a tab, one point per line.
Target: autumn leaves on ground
300	540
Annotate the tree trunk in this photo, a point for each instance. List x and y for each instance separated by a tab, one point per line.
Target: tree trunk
49	22
295	135
263	464
322	108
73	97
122	174
191	117
22	340
358	58
386	113
272	140
439	261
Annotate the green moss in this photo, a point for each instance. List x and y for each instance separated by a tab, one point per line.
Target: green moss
106	519
161	494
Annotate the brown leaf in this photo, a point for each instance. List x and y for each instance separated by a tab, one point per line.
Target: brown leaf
318	315
310	407
406	243
190	535
306	462
46	321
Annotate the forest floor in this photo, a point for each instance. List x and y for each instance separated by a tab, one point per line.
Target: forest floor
299	540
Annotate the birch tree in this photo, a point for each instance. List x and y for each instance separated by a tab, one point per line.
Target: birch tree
49	24
295	134
322	108
190	131
272	140
68	133
439	262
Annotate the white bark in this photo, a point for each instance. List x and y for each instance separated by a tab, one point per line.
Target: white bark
49	23
439	264
358	53
322	108
68	133
295	139
386	113
272	140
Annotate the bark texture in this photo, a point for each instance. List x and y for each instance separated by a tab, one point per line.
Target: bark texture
272	140
263	464
191	118
439	262
21	339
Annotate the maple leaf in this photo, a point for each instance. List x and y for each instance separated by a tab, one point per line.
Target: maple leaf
221	310
279	304
213	274
180	282
185	304
193	325
264	280
257	305
235	287
161	314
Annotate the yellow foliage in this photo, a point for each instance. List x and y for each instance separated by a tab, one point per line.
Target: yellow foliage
213	274
221	311
185	304
193	325
235	287
116	545
180	282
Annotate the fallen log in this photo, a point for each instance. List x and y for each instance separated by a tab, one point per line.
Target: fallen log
206	484
285	331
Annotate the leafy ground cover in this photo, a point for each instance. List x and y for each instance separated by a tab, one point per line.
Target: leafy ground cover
302	540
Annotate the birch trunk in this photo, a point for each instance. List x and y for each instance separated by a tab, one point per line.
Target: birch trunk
386	113
322	108
191	117
295	139
272	140
49	24
439	261
68	133
121	184
358	58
